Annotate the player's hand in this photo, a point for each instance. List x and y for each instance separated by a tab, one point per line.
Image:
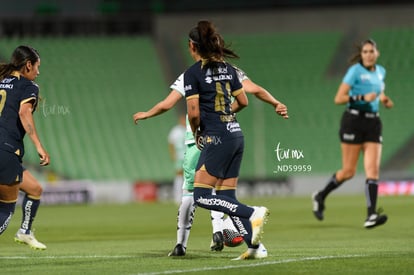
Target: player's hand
139	116
370	97
387	102
44	156
282	110
199	140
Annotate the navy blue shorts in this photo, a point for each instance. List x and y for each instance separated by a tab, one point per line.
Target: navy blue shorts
222	159
11	169
360	127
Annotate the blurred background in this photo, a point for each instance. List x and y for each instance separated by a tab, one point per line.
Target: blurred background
102	61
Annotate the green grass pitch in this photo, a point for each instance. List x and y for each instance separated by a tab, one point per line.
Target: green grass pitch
136	238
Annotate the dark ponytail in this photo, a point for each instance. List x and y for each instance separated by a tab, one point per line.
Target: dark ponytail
209	43
21	55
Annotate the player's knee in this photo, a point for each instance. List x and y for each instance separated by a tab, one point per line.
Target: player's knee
36	192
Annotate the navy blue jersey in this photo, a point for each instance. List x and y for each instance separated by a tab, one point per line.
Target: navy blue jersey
15	90
214	84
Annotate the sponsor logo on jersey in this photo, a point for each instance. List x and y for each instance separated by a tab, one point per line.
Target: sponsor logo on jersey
187	87
8	80
6	86
233	127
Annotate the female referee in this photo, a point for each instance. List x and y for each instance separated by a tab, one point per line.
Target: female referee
362	89
209	85
18	100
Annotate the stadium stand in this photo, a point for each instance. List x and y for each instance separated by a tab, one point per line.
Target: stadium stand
92	86
395	46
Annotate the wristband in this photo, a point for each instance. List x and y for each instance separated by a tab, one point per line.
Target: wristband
353	98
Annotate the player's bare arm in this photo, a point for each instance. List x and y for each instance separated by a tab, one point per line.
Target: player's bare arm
26	118
386	100
193	110
342	96
159	108
261	93
240	102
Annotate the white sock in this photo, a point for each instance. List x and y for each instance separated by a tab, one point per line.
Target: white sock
228	224
185	218
217	220
178	188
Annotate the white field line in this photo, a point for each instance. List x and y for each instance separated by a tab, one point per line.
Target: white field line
248	263
66	257
251	264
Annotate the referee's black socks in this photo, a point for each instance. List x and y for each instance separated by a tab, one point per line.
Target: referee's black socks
371	193
332	185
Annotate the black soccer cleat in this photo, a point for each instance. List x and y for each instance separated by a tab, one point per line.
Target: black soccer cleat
217	243
318	205
374	220
179	250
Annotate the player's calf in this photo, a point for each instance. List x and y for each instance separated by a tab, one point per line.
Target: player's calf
6	213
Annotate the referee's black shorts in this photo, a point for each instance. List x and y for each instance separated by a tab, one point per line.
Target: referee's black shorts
358	127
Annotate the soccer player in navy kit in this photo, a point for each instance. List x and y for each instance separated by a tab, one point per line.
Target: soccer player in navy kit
362	89
187	208
18	100
209	85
